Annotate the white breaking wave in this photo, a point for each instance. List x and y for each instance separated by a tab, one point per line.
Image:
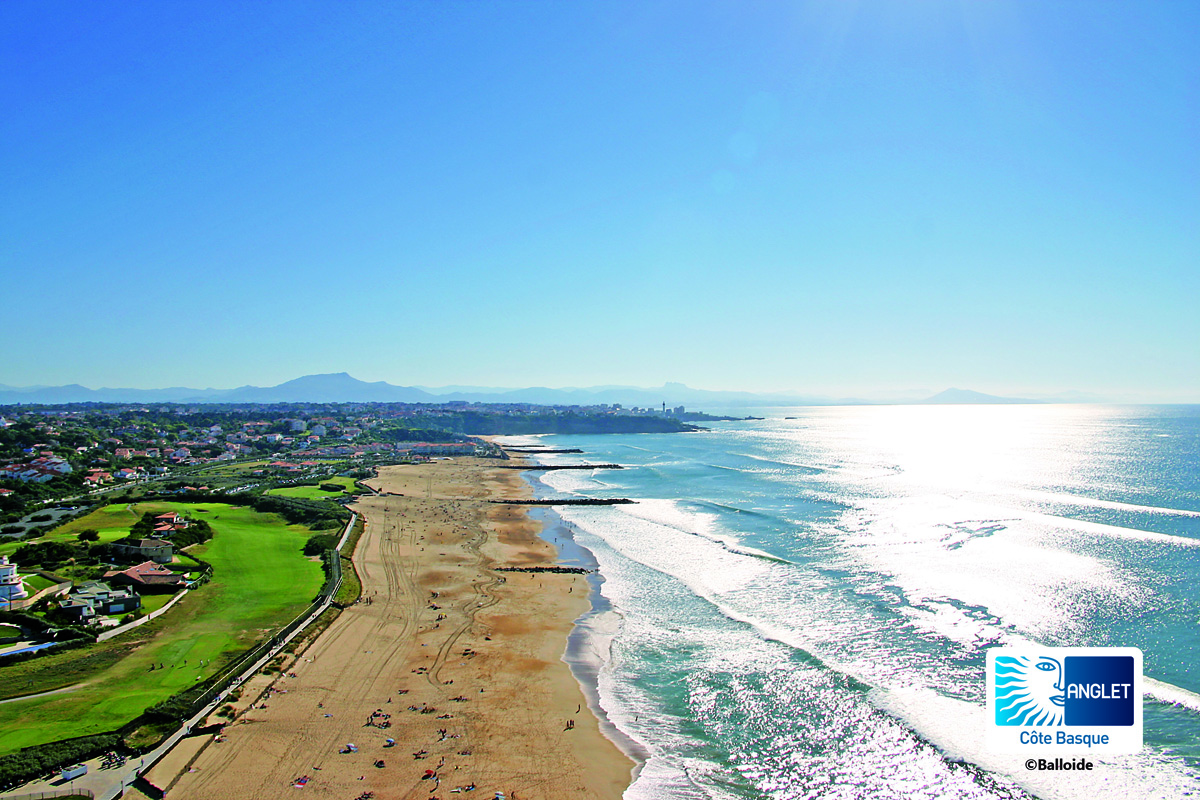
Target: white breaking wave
696	523
1092	502
1170	694
956	727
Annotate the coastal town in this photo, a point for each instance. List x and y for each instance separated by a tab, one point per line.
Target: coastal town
56	453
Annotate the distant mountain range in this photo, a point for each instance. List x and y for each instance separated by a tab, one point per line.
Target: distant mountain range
342	388
969	397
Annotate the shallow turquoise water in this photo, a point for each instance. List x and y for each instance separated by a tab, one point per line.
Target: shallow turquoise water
801	606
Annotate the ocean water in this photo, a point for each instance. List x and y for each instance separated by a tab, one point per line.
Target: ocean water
799	608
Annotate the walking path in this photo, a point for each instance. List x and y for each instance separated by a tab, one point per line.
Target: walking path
63	690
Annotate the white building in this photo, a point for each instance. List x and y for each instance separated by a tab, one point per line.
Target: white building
11	587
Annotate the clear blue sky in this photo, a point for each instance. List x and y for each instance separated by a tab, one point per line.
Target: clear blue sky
832	197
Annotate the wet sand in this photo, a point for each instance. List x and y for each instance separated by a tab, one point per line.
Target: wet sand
460	664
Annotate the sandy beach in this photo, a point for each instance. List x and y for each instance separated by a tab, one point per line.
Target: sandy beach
460	664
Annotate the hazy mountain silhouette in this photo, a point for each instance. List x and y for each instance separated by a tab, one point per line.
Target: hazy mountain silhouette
335	387
340	387
970	397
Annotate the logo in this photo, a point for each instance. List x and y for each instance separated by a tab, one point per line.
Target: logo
1065	699
1029	692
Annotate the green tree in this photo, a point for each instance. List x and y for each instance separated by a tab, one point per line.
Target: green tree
319	544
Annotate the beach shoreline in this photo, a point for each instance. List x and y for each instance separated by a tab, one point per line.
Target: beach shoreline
465	667
589	643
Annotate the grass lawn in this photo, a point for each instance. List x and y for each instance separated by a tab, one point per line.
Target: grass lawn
35	583
315	492
260	582
153	602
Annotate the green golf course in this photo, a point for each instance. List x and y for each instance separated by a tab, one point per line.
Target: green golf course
261	581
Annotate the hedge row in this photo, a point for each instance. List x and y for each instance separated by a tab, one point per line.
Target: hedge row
34	762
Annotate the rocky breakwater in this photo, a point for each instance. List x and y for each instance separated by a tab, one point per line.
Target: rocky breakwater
567	501
548	467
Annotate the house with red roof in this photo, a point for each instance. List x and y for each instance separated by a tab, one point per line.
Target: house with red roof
147	577
166	524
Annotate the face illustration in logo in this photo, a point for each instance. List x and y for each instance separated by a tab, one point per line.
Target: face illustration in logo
1029	691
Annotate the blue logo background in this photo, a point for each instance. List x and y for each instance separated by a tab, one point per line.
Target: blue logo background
1111	676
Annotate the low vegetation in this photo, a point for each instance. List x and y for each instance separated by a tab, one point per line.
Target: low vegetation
351	588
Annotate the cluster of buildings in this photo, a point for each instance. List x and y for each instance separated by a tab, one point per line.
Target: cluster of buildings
84	603
120	592
123	444
122	589
132	452
98	477
197	445
252	437
46	467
